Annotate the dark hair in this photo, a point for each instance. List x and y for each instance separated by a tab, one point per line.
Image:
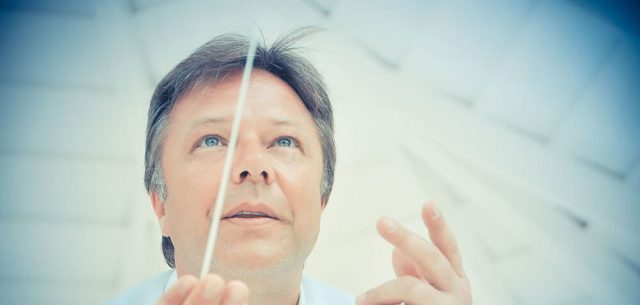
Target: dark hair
216	59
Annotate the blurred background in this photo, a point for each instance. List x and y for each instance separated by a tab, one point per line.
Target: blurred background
521	118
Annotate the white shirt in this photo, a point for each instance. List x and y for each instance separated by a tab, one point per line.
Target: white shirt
312	292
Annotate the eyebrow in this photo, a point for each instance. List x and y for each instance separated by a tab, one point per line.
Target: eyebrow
206	121
218	120
284	122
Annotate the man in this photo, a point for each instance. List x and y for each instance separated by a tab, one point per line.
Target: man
281	180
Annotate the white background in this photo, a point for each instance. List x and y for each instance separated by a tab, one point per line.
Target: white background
521	118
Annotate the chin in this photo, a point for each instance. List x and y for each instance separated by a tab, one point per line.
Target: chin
256	255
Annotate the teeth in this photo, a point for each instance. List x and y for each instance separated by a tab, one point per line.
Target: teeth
248	214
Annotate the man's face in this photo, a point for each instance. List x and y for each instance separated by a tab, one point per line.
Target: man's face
273	205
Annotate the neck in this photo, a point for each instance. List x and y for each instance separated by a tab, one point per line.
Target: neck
272	288
278	285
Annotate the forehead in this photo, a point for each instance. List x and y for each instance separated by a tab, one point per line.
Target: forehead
267	95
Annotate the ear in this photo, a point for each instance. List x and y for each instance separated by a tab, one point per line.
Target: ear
158	208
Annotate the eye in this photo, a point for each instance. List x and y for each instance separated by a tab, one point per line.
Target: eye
210	141
285	142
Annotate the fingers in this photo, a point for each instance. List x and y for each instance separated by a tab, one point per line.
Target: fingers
432	264
442	236
235	293
403	265
178	292
208	291
406	289
428	273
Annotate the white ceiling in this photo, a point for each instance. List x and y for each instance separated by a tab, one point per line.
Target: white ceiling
521	118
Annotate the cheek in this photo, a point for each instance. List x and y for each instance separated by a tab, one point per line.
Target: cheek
198	171
300	184
192	187
203	175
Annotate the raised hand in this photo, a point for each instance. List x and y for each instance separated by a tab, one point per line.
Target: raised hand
427	272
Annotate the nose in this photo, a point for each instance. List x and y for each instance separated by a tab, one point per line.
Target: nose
251	165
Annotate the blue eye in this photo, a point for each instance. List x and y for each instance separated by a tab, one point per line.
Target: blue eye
210	141
285	142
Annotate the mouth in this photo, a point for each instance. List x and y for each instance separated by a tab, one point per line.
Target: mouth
250	219
249	214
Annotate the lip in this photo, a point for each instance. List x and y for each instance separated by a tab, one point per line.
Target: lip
250	207
251	222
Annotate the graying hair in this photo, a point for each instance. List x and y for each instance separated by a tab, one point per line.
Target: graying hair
216	59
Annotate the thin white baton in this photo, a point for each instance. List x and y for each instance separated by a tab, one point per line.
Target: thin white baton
228	160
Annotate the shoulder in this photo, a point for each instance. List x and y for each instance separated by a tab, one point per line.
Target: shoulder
319	293
146	292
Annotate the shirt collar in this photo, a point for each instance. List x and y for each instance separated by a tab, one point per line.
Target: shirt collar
174	277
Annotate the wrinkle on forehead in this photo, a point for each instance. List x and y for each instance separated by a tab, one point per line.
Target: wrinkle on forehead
270	100
231	82
264	88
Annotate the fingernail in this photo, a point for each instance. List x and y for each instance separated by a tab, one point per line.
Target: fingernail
435	213
210	290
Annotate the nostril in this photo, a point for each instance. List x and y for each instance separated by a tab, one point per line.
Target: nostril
244	174
264	174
